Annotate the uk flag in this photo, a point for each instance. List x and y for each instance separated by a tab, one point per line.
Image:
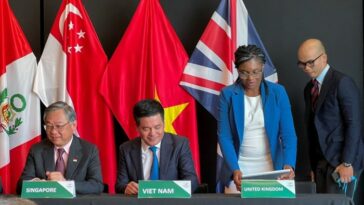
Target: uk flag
211	66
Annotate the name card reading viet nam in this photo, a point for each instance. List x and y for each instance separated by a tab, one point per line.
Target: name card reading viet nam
48	189
268	189
164	189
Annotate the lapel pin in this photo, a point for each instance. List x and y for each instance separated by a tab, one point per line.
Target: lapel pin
74	160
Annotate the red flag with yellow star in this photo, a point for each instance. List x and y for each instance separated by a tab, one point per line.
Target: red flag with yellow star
148	63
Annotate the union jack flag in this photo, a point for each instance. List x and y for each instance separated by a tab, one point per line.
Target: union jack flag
211	66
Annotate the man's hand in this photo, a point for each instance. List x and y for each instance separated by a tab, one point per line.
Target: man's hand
290	175
55	176
131	188
237	177
312	175
37	179
345	173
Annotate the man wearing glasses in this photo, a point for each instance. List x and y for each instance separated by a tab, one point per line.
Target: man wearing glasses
62	155
333	122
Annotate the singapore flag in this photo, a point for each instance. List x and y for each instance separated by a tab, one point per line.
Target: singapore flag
70	70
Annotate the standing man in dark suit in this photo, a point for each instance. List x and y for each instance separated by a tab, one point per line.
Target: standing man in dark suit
137	157
64	156
333	119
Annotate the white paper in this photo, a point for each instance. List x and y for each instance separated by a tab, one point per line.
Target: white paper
266	175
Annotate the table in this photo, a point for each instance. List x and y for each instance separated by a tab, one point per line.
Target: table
199	199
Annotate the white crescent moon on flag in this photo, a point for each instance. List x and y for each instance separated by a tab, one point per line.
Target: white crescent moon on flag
70	8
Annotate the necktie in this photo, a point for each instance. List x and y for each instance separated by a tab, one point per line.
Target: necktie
60	166
314	93
154	171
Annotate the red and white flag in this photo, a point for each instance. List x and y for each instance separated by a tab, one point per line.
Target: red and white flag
19	106
70	70
211	66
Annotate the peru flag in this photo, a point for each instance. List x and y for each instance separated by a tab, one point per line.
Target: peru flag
19	106
70	70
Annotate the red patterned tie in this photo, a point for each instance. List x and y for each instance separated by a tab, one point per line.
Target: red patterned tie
314	93
60	166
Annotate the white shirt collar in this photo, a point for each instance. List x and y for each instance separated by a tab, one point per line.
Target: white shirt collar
66	147
145	147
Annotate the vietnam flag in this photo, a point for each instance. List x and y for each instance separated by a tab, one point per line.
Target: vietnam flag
70	69
19	106
148	63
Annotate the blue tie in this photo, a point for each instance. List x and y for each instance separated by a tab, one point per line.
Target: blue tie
154	171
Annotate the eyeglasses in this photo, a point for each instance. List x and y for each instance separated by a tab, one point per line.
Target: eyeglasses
309	63
254	74
49	127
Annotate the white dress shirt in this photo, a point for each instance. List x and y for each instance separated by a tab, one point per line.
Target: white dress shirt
147	158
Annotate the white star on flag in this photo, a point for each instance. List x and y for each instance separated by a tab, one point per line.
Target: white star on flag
78	48
70	25
81	34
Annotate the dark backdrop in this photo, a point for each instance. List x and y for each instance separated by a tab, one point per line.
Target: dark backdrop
282	25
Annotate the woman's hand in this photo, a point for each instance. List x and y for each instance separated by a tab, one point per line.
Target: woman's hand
237	176
290	175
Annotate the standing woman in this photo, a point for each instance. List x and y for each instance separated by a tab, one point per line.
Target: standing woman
255	125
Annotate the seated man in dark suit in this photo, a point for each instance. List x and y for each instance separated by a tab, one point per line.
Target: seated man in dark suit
64	156
137	161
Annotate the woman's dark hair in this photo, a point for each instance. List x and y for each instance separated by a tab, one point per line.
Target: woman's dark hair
246	53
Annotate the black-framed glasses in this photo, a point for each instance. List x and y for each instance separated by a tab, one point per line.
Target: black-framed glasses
50	127
309	63
245	75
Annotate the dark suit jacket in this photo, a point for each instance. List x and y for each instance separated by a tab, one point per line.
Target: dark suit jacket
175	162
336	122
83	165
1	186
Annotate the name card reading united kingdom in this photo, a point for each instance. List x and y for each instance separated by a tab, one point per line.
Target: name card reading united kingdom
268	189
164	189
48	189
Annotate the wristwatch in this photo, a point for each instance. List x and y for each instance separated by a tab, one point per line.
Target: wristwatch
346	164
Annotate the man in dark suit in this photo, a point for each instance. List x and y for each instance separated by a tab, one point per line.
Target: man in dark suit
136	158
333	119
1	186
63	156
